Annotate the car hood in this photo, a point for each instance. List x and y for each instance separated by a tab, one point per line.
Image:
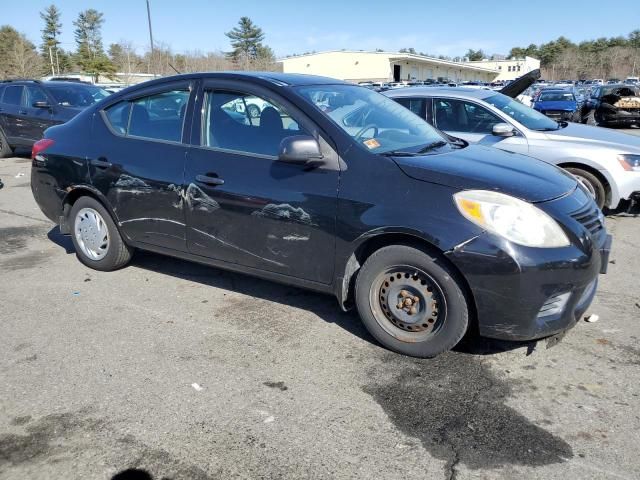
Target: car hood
596	136
556	105
519	85
478	167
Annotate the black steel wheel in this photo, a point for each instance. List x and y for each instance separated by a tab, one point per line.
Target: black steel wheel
411	302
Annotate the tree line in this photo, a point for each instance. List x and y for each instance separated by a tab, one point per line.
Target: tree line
615	57
20	58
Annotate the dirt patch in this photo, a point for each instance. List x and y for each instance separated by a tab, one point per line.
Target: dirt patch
14	239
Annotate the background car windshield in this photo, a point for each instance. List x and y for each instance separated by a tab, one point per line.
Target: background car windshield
77	95
374	121
521	113
556	97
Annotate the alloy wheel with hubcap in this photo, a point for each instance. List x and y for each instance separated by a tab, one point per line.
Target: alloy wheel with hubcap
92	235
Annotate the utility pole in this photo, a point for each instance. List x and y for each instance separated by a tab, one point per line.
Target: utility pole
57	61
53	72
150	36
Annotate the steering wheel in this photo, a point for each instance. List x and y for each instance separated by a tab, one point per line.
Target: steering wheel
365	129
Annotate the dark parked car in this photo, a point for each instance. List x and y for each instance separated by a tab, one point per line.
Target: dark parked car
612	105
28	107
427	236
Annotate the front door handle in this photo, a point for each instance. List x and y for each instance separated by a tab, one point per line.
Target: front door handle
101	163
209	180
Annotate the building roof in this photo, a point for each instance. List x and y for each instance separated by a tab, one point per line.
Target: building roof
505	60
398	56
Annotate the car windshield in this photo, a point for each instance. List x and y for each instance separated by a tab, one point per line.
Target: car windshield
556	97
526	116
77	95
375	122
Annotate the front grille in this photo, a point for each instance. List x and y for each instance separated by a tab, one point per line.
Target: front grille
557	114
553	113
590	217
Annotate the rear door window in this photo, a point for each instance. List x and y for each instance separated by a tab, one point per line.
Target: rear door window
159	116
118	116
12	95
461	116
416	105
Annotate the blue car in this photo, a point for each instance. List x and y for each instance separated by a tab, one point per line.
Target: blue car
557	104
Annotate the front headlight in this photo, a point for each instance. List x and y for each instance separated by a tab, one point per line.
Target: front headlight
630	162
516	220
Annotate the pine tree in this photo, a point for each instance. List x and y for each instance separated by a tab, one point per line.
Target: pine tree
90	54
50	34
246	41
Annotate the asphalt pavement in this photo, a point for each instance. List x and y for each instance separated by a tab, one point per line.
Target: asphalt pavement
189	372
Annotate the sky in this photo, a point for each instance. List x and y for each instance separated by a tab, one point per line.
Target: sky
440	28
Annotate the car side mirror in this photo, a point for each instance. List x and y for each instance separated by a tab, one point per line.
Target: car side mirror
41	104
503	130
299	149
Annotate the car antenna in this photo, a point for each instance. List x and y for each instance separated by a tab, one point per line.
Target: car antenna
175	69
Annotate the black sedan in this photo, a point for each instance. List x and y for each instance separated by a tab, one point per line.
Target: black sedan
427	236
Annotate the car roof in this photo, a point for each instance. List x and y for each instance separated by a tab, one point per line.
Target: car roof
556	89
459	92
275	78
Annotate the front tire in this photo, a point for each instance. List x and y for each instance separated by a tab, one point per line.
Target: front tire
96	238
411	302
592	183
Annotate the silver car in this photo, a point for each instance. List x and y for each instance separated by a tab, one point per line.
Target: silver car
606	162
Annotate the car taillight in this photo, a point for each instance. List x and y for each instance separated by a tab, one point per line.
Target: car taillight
40	146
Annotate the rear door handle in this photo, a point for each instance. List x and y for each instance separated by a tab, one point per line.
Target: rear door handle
22	112
209	180
101	163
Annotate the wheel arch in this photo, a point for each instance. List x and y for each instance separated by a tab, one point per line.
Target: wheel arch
612	197
372	242
83	191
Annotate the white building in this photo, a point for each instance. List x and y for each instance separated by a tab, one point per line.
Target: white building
509	69
360	66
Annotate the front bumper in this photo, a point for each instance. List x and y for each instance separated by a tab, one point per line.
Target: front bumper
524	293
621	118
559	115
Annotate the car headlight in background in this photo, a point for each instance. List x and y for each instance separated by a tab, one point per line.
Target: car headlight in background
630	162
516	220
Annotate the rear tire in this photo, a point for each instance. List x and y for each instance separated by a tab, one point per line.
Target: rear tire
592	183
411	302
5	148
96	238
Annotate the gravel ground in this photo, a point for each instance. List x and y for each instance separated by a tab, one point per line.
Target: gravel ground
189	372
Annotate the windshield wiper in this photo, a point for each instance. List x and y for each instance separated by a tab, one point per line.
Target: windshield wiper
399	153
431	146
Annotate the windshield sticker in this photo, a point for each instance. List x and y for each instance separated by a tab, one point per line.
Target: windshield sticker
371	143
